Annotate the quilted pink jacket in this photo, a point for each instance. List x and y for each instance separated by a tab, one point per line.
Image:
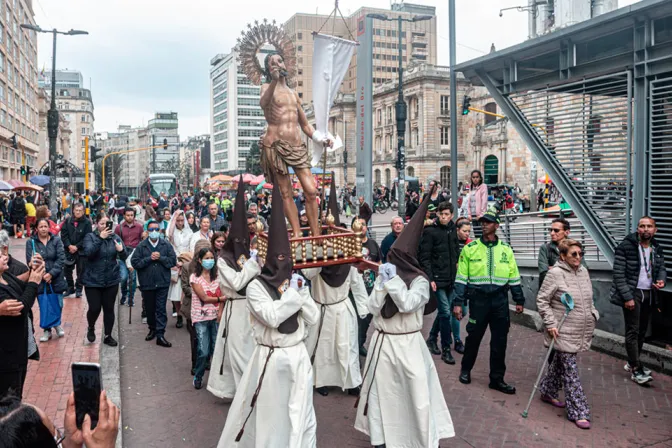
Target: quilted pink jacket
576	333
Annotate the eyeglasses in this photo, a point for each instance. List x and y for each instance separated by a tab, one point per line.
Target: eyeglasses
552	230
577	254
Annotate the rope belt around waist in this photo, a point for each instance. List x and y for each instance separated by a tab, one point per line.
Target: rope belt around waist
375	367
257	390
323	310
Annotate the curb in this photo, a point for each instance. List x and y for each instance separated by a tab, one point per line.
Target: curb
110	370
656	358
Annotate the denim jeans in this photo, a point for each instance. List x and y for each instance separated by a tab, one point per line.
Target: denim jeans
442	322
455	324
206	333
128	281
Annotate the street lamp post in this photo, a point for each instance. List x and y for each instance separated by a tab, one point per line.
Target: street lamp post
401	111
52	114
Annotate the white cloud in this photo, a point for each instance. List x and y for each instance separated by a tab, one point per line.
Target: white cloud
147	55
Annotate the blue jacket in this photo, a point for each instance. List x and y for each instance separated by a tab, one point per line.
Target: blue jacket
101	269
386	244
54	259
153	274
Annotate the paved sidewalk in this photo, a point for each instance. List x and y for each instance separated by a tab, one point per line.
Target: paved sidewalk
161	408
49	381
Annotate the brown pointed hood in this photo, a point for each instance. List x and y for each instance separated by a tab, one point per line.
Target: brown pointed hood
278	263
404	255
277	270
334	276
236	250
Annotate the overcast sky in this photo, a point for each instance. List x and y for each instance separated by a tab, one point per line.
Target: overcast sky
143	56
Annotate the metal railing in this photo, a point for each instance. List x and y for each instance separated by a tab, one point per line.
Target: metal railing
526	232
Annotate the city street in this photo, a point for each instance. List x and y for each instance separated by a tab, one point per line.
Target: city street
160	407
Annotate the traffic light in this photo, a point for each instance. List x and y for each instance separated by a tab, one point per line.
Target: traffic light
466	104
24	170
93	151
165	143
15	142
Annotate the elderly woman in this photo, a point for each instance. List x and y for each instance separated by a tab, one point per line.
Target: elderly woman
203	233
567	276
49	248
16	300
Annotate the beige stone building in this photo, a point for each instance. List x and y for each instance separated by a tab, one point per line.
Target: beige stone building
418	43
18	88
482	140
64	133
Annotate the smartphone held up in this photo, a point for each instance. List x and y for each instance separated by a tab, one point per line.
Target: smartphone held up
88	384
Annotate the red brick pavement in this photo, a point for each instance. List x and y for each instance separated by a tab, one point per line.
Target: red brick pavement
161	408
49	381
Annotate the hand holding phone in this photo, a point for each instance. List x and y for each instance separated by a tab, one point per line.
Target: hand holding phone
108	225
87	384
105	434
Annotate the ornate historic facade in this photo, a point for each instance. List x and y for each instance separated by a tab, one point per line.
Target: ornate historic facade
487	143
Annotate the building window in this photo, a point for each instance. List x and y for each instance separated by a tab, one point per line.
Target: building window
299	48
388	178
376	176
491	170
445	176
389	115
410	171
445	135
445	105
379	117
299	36
492	108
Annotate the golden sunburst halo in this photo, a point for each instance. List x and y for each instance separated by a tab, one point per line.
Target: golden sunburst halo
257	36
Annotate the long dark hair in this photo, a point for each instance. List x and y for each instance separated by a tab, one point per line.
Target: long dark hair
215	236
479	175
37	223
198	270
22	426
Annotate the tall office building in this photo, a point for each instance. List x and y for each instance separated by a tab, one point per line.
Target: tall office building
236	120
418	43
133	165
164	128
18	89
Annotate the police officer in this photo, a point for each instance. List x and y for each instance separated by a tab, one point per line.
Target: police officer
487	270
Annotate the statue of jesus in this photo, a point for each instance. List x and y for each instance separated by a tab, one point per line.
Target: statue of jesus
282	145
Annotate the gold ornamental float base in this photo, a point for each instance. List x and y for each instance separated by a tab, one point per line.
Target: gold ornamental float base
335	246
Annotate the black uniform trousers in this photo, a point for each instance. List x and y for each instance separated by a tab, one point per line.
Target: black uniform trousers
69	268
488	310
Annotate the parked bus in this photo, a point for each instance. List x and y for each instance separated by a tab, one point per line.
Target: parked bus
156	184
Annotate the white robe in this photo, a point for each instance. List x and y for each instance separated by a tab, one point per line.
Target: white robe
283	416
239	344
406	407
181	239
336	360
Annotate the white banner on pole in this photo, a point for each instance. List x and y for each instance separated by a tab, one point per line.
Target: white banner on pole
331	59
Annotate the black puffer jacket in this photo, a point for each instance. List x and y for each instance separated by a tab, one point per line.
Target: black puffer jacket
54	259
101	269
627	266
439	252
153	274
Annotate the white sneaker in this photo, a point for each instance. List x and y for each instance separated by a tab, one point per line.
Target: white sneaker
174	314
144	320
45	336
640	378
60	332
627	368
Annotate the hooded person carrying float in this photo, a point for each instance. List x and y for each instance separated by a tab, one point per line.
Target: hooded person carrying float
401	403
333	342
273	406
237	266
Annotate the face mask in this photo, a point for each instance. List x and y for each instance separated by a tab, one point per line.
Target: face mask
154	235
208	264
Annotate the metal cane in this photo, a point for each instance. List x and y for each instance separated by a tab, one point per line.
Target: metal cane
568	301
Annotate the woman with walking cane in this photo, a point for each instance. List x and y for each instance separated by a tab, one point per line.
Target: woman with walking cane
567	277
